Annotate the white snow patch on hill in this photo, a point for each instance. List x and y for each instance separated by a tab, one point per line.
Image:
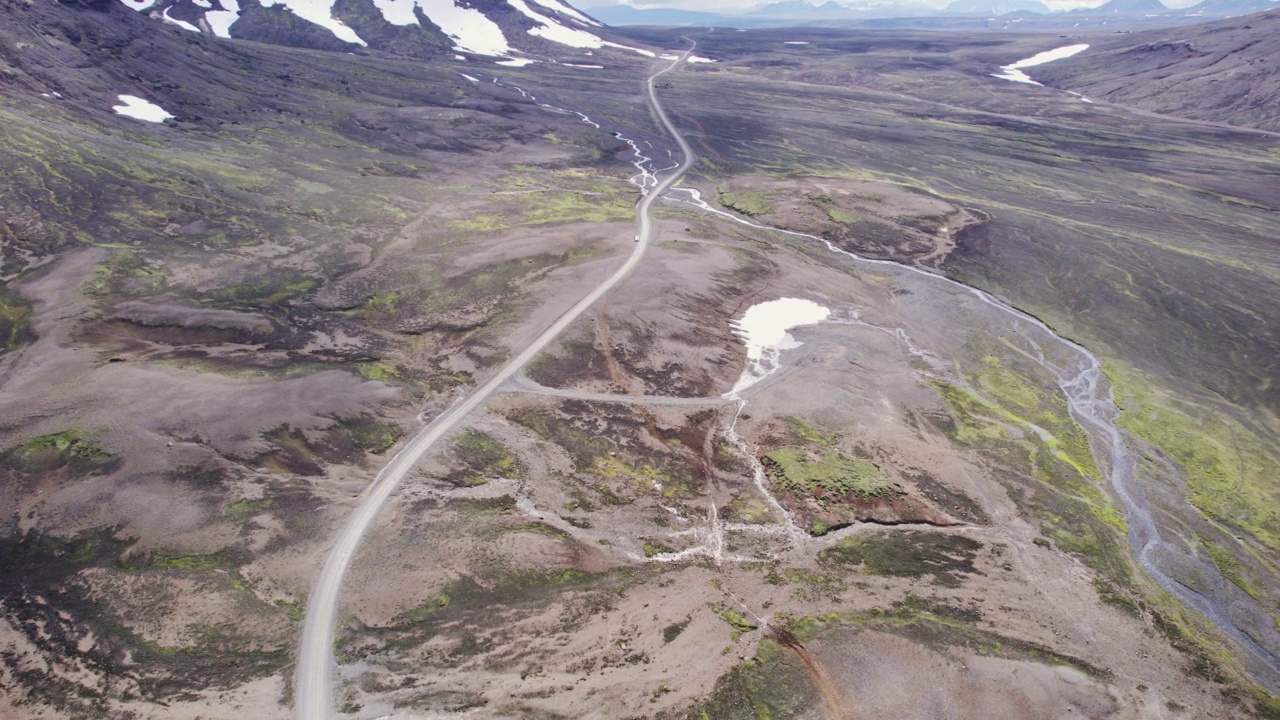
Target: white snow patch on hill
140	109
554	31
319	12
469	29
180	23
568	10
1013	72
138	5
763	328
220	21
628	48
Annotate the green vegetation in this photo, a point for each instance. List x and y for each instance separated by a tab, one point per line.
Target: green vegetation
14	316
265	293
126	273
773	684
1229	566
480	223
245	508
830	472
908	554
378	370
808	432
746	202
642	475
56	612
655	548
736	620
367	433
421	612
1038	406
1072	510
66	449
842	216
484	458
1231	473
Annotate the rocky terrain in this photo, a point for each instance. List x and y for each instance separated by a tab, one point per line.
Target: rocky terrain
219	325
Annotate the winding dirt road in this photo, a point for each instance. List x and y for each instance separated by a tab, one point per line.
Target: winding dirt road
315	673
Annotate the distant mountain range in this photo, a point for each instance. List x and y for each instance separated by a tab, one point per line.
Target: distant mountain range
801	13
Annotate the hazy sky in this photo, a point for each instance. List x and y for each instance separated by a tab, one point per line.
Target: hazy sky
734	5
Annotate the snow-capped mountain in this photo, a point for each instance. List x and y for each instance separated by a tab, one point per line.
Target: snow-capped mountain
511	31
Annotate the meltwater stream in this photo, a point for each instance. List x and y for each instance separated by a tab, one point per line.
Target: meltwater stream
1095	411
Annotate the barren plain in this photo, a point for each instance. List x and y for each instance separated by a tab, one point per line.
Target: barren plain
219	330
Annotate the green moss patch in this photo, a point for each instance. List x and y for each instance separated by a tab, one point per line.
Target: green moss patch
806	431
746	202
15	314
827	473
483	457
908	554
67	450
1233	476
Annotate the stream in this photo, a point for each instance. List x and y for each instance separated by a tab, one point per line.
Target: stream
1095	410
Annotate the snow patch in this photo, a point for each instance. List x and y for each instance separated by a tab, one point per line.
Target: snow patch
140	109
220	21
628	48
699	59
580	65
474	80
568	10
517	62
763	327
1013	72
164	15
202	4
319	12
138	5
469	29
554	31
795	42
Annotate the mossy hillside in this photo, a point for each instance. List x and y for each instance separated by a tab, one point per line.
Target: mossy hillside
141	192
15	315
806	431
58	613
1229	566
345	441
827	473
1029	396
908	554
941	627
772	684
530	196
984	424
429	291
483	458
462	610
1070	507
1232	474
775	683
747	202
69	450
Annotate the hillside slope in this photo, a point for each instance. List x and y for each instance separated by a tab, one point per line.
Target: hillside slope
1224	71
